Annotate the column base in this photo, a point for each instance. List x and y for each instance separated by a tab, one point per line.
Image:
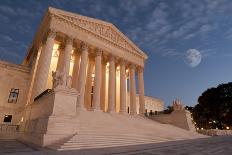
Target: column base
112	112
123	113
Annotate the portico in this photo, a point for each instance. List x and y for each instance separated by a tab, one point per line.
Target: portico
92	57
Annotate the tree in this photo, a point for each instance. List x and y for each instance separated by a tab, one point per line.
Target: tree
214	108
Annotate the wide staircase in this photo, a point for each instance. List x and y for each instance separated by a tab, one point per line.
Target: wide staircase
101	130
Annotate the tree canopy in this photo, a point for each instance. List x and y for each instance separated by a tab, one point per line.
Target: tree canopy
214	108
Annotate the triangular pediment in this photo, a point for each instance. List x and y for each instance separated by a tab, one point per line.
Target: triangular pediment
100	28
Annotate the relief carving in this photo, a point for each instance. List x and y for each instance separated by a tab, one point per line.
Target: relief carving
104	31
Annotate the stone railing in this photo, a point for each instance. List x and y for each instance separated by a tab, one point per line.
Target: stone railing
9	128
42	94
215	132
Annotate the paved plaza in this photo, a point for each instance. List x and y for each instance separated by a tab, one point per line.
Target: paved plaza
220	145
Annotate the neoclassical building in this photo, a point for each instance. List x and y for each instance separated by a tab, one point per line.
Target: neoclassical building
90	55
75	64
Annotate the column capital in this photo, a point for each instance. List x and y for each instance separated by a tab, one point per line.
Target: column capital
52	33
140	69
98	52
69	40
131	66
111	58
84	46
122	62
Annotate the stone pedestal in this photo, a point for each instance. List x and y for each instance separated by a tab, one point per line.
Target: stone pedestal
53	117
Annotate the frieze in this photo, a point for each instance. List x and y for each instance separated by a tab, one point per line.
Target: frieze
103	31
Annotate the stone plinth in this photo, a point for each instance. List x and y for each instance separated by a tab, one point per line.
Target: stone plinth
52	117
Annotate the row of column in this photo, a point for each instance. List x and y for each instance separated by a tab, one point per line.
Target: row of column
79	76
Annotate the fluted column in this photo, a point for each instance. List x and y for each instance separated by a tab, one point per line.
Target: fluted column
76	68
122	87
44	63
141	91
82	75
60	59
67	56
112	81
132	90
88	85
103	86
97	81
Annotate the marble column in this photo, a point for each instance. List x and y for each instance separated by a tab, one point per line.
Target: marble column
76	68
88	85
132	90
67	56
141	91
82	75
97	81
44	63
123	90
112	84
60	58
103	86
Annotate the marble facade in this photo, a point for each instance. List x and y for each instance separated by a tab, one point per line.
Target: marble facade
95	54
87	65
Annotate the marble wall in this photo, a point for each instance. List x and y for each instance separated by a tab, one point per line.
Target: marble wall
17	77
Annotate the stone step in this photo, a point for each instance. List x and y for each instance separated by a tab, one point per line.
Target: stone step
76	138
101	145
127	135
110	141
115	138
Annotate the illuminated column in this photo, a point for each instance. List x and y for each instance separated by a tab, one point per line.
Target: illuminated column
123	90
82	75
132	90
44	65
111	91
67	56
97	81
103	86
141	91
88	85
60	59
76	68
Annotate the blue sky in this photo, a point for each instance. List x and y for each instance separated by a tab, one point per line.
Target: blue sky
166	30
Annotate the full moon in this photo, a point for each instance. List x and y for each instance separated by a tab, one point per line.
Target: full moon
193	57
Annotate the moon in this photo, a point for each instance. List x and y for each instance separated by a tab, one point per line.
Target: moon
193	57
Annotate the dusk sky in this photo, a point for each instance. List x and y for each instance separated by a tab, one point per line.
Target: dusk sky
188	42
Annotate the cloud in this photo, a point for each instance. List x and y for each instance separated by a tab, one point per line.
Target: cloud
6	38
171	53
7	10
4	18
6	54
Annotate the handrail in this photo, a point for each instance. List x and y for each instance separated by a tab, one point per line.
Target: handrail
42	94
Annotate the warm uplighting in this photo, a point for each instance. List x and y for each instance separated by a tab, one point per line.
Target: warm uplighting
21	119
227	128
107	64
202	128
197	128
127	71
93	75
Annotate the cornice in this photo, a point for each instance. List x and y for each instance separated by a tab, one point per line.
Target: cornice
98	29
